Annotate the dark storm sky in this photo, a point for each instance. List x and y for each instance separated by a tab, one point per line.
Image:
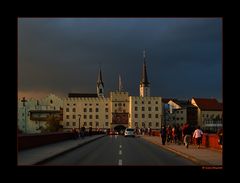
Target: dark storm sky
62	55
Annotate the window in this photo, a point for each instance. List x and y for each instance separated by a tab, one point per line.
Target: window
177	118
74	104
156	108
85	104
157	124
156	102
74	116
136	108
156	115
136	124
67	104
150	124
96	116
143	124
115	105
136	115
106	109
90	116
123	104
90	123
90	109
181	112
74	109
97	109
51	101
207	115
106	104
74	123
173	118
106	116
149	102
96	104
106	123
90	104
97	124
181	118
142	102
143	108
84	116
22	114
149	115
85	124
67	116
135	102
85	110
143	115
67	123
177	112
149	108
67	109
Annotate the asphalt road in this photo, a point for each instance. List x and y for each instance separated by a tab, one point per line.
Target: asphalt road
120	150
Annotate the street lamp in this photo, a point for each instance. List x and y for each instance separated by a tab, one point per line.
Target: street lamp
79	122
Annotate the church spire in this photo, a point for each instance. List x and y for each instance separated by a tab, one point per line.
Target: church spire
120	86
144	83
100	84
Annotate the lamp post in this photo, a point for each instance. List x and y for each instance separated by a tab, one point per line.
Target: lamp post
79	122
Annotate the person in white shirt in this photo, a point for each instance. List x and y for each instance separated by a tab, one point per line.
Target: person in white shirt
197	134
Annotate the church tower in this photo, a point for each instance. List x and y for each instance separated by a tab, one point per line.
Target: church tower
144	84
100	85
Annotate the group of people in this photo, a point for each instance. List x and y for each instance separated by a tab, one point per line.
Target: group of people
181	133
78	133
143	131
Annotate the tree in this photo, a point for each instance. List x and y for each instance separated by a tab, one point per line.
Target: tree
52	125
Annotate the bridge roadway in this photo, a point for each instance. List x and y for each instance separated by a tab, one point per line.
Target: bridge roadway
119	150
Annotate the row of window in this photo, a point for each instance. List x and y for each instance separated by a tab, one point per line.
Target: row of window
149	108
85	110
86	124
119	104
149	102
179	112
85	116
212	115
144	124
89	104
149	115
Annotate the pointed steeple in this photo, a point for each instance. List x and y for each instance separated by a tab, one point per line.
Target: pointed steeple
144	83
100	81
144	80
120	86
100	84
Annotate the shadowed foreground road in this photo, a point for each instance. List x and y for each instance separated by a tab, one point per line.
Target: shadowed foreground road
120	150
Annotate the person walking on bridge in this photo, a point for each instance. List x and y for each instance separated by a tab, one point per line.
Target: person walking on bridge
197	134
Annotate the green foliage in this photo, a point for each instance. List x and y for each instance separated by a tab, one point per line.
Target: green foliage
52	125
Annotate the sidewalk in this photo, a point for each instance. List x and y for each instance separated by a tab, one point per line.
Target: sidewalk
201	156
40	154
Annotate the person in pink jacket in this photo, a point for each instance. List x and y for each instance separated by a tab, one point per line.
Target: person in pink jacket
197	134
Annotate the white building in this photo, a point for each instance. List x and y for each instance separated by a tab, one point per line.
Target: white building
32	113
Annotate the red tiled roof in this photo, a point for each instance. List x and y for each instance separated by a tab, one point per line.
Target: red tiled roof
166	100
208	104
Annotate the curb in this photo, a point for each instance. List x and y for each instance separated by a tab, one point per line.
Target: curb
193	159
65	151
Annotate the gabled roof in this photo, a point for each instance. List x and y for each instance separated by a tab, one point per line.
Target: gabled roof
82	95
206	104
183	103
166	100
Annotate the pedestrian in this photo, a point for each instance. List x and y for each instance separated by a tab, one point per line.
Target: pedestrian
163	133
186	131
197	134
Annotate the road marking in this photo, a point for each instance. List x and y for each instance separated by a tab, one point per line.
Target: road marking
120	152
119	162
120	146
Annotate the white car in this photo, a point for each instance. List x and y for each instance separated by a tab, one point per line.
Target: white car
129	132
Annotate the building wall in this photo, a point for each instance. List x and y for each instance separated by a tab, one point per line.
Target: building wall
179	116
93	112
143	110
51	102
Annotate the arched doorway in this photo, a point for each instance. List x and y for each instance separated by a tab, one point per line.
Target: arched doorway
120	129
